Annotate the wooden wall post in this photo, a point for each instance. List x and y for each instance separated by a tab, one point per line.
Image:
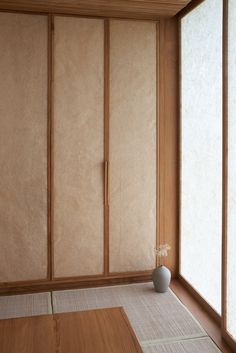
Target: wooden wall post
168	140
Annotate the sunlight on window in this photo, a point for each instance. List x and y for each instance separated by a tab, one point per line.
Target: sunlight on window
201	156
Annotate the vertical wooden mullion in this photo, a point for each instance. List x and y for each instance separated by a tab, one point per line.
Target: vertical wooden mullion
226	335
179	146
225	162
161	145
106	138
49	147
158	186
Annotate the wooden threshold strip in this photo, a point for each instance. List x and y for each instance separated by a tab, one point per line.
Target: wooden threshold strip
211	325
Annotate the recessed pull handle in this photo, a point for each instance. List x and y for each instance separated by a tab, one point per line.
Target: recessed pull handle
106	186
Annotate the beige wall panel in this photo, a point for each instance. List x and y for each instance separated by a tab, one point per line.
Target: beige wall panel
78	146
23	147
132	145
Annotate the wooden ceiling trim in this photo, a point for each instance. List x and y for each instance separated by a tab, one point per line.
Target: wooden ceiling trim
140	9
191	6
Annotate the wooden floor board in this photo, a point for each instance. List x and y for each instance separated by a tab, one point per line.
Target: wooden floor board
33	334
93	331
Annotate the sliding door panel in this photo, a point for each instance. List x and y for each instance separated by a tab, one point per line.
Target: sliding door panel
23	147
78	146
201	150
132	145
231	224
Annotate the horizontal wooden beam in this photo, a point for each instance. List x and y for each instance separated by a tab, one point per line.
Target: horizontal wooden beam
139	9
73	283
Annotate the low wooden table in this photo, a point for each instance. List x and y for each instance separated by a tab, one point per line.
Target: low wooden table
93	331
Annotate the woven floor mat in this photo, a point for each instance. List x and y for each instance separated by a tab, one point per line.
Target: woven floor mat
200	345
25	305
153	316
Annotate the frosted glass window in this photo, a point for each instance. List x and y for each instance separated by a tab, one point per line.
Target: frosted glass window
201	156
231	251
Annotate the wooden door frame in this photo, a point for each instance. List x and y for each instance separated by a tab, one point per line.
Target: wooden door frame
223	318
226	335
193	291
164	131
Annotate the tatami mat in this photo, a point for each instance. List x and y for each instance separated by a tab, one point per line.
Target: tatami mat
153	316
161	322
200	345
25	305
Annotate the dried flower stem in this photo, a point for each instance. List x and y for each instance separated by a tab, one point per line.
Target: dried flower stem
162	251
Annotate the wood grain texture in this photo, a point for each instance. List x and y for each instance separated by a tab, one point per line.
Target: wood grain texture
168	140
106	142
141	9
100	331
23	147
78	146
132	145
50	150
28	335
73	283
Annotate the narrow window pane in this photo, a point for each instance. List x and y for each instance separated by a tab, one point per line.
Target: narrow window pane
231	251
201	156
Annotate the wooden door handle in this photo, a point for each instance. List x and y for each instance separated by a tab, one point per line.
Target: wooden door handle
106	186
